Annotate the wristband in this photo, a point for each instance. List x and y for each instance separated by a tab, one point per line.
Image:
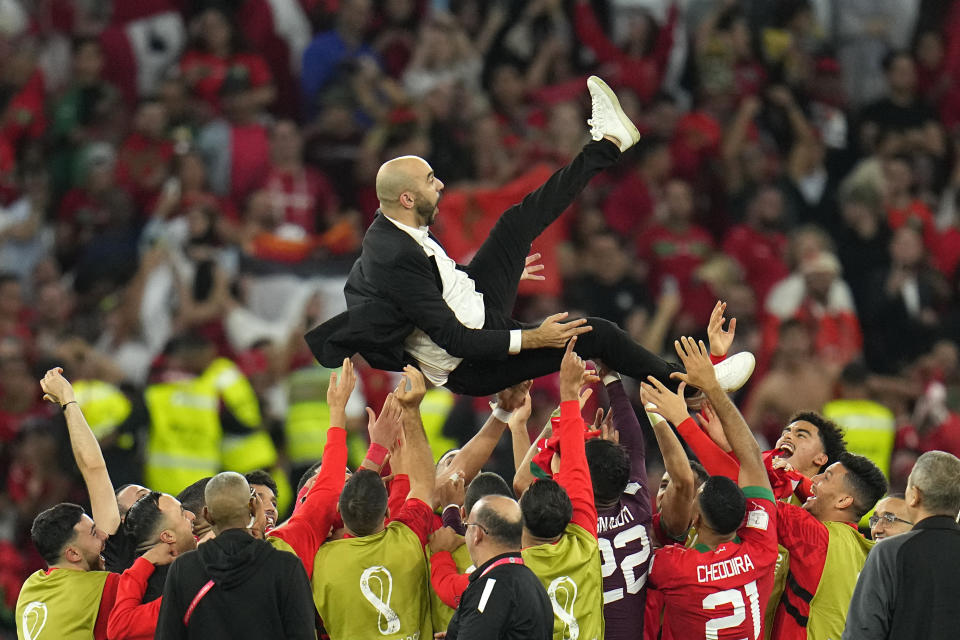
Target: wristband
377	453
610	378
500	414
64	406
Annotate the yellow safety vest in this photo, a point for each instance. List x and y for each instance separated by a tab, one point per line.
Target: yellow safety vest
434	410
185	434
241	452
441	613
105	407
308	415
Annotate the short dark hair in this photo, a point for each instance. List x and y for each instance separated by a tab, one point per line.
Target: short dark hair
52	530
866	482
262	477
363	502
192	498
546	508
485	484
144	519
506	532
609	468
831	435
722	504
309	473
701	473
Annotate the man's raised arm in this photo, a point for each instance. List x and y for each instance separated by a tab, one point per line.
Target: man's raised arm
417	456
699	373
86	452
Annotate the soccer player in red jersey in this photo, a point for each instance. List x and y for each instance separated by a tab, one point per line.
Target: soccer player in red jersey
719	588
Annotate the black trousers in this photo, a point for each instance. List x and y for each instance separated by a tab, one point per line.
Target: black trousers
496	270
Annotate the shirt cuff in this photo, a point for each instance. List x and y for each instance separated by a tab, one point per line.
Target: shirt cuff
515	341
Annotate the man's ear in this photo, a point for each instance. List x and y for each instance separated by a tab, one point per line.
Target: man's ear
72	554
913	497
206	516
463	513
845	502
820	459
167	536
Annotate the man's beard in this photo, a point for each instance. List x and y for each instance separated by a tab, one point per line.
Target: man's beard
426	211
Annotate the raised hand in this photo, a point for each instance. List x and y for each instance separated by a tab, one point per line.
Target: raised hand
711	424
451	490
160	554
553	333
530	269
385	430
668	404
511	398
445	539
720	339
696	361
412	397
56	388
574	374
341	386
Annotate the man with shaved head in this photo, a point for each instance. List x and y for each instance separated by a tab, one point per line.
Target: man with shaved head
410	303
504	599
235	586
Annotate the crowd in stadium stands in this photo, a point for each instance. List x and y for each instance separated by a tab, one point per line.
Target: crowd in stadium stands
185	184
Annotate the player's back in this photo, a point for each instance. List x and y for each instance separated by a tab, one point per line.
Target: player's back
624	540
721	593
374	586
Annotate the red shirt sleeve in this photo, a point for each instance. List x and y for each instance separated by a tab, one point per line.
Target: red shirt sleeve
397	496
106	606
592	35
309	526
446	582
574	474
419	517
129	618
715	460
806	538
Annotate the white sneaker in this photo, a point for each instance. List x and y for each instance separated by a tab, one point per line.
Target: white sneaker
607	117
734	372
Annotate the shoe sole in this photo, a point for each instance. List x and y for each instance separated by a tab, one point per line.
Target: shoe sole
624	120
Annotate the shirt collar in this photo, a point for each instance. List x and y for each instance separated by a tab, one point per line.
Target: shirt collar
418	233
479	570
937	522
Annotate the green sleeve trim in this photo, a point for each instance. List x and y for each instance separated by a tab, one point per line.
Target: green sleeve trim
759	493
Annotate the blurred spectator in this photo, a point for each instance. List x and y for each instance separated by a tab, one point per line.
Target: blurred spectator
144	159
817	296
673	250
327	60
902	109
22	111
301	196
236	147
217	55
443	55
759	244
630	207
902	312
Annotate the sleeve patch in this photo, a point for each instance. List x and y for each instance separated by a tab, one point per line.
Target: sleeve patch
632	488
758	519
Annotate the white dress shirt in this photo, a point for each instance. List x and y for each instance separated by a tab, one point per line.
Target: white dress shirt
461	295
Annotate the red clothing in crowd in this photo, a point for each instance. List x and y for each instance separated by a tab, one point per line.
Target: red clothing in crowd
947	253
140	161
206	72
23	118
249	160
678	254
915	213
642	74
306	197
943	437
629	207
761	255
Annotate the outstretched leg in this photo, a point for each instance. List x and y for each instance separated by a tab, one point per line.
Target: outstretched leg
607	341
497	266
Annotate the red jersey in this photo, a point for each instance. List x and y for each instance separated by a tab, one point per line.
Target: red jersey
721	594
304	198
760	254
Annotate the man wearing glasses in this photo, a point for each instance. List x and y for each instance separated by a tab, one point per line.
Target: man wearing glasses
890	518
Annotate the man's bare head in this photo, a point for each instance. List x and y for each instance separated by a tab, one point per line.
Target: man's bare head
408	190
228	501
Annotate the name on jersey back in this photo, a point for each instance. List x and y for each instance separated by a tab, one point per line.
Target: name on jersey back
724	569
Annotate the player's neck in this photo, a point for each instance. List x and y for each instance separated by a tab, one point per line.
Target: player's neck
485	555
710	538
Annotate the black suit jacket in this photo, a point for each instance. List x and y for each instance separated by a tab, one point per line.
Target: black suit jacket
393	288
